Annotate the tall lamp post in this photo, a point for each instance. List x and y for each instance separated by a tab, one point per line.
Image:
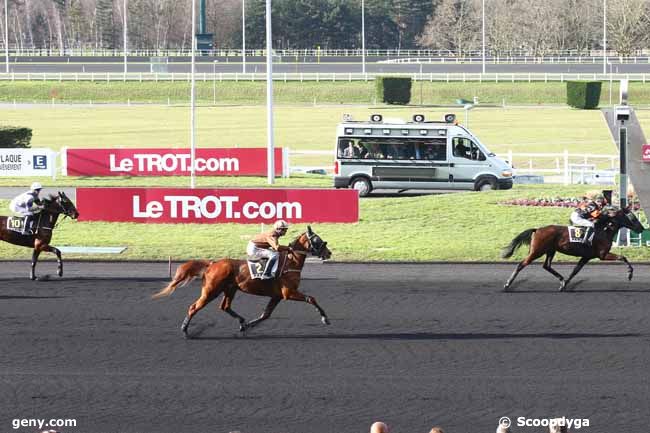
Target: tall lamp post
269	97
193	101
604	37
124	36
243	36
6	37
363	37
484	36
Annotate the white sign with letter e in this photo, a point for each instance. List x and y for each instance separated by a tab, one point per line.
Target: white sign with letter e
27	162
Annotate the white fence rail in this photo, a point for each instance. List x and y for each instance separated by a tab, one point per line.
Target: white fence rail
316	76
561	167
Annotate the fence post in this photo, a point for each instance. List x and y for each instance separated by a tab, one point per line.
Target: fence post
566	167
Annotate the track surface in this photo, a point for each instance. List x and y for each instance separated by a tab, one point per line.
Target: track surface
413	345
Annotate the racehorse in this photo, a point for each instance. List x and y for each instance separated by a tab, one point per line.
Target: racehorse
551	239
44	222
229	275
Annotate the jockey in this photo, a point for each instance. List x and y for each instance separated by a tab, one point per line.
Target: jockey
28	204
267	245
588	212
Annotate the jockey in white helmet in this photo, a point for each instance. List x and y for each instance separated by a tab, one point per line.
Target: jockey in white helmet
28	204
267	245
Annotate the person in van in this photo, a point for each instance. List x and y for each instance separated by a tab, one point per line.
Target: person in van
461	151
394	152
361	150
350	151
375	152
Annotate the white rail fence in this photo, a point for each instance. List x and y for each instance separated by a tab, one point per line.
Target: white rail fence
315	76
560	167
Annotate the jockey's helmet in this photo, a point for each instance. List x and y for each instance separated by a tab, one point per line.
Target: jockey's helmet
36	186
281	225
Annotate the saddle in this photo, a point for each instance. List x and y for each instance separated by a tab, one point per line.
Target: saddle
583	235
257	266
17	224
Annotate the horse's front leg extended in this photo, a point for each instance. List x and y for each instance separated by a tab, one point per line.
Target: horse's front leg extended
265	315
583	261
59	261
295	295
612	257
35	254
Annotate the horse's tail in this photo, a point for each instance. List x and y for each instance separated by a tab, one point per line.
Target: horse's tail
521	239
185	273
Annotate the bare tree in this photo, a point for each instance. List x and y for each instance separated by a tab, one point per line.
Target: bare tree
454	26
627	25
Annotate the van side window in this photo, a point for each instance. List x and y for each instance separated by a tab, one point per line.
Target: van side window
466	148
349	148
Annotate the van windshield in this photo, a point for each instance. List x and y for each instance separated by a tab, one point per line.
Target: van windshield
395	148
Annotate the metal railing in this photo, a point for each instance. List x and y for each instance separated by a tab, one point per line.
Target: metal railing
317	76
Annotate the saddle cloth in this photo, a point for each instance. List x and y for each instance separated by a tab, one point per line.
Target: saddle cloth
256	266
580	234
16	223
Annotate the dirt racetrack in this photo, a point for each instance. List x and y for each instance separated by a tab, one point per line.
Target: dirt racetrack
413	345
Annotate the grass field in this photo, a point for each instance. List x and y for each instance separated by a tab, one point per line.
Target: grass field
299	128
323	92
464	226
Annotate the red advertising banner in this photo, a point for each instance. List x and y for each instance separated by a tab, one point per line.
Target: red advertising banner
645	152
242	206
169	162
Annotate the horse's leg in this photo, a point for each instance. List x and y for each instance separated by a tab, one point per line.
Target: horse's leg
547	266
35	254
583	261
265	315
59	261
295	295
209	291
536	250
612	257
226	302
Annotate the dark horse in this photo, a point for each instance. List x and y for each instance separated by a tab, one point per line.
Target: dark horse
44	224
230	275
551	239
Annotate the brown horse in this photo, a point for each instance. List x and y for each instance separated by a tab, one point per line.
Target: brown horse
551	239
229	275
44	222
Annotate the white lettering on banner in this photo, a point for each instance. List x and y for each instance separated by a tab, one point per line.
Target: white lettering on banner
170	162
187	206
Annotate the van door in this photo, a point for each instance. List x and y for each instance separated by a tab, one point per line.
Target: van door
467	160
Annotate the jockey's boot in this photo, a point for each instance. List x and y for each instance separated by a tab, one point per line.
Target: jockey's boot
27	228
268	271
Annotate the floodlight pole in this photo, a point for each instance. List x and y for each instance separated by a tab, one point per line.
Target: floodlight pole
193	101
604	37
484	36
623	235
125	36
243	36
363	37
269	97
6	36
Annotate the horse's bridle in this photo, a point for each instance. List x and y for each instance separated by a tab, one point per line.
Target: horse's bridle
312	250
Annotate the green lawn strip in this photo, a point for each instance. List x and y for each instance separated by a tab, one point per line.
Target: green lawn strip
465	227
522	130
325	91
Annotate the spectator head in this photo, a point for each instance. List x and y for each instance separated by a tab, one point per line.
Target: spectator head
436	430
378	427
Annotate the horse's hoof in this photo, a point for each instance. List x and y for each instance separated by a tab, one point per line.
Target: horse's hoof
59	272
243	327
506	288
325	320
629	277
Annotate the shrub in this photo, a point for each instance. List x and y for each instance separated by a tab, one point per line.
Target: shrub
15	136
393	90
583	94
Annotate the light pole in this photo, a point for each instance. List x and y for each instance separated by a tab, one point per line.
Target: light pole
243	36
214	82
193	101
363	37
269	97
484	36
6	37
604	37
124	36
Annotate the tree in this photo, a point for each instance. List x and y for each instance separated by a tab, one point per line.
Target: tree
627	25
455	26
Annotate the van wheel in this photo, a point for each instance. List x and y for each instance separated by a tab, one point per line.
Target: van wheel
362	185
486	184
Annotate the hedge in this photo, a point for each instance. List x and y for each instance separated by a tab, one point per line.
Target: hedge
393	90
15	136
583	94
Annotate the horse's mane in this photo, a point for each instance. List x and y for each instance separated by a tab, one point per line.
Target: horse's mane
50	198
